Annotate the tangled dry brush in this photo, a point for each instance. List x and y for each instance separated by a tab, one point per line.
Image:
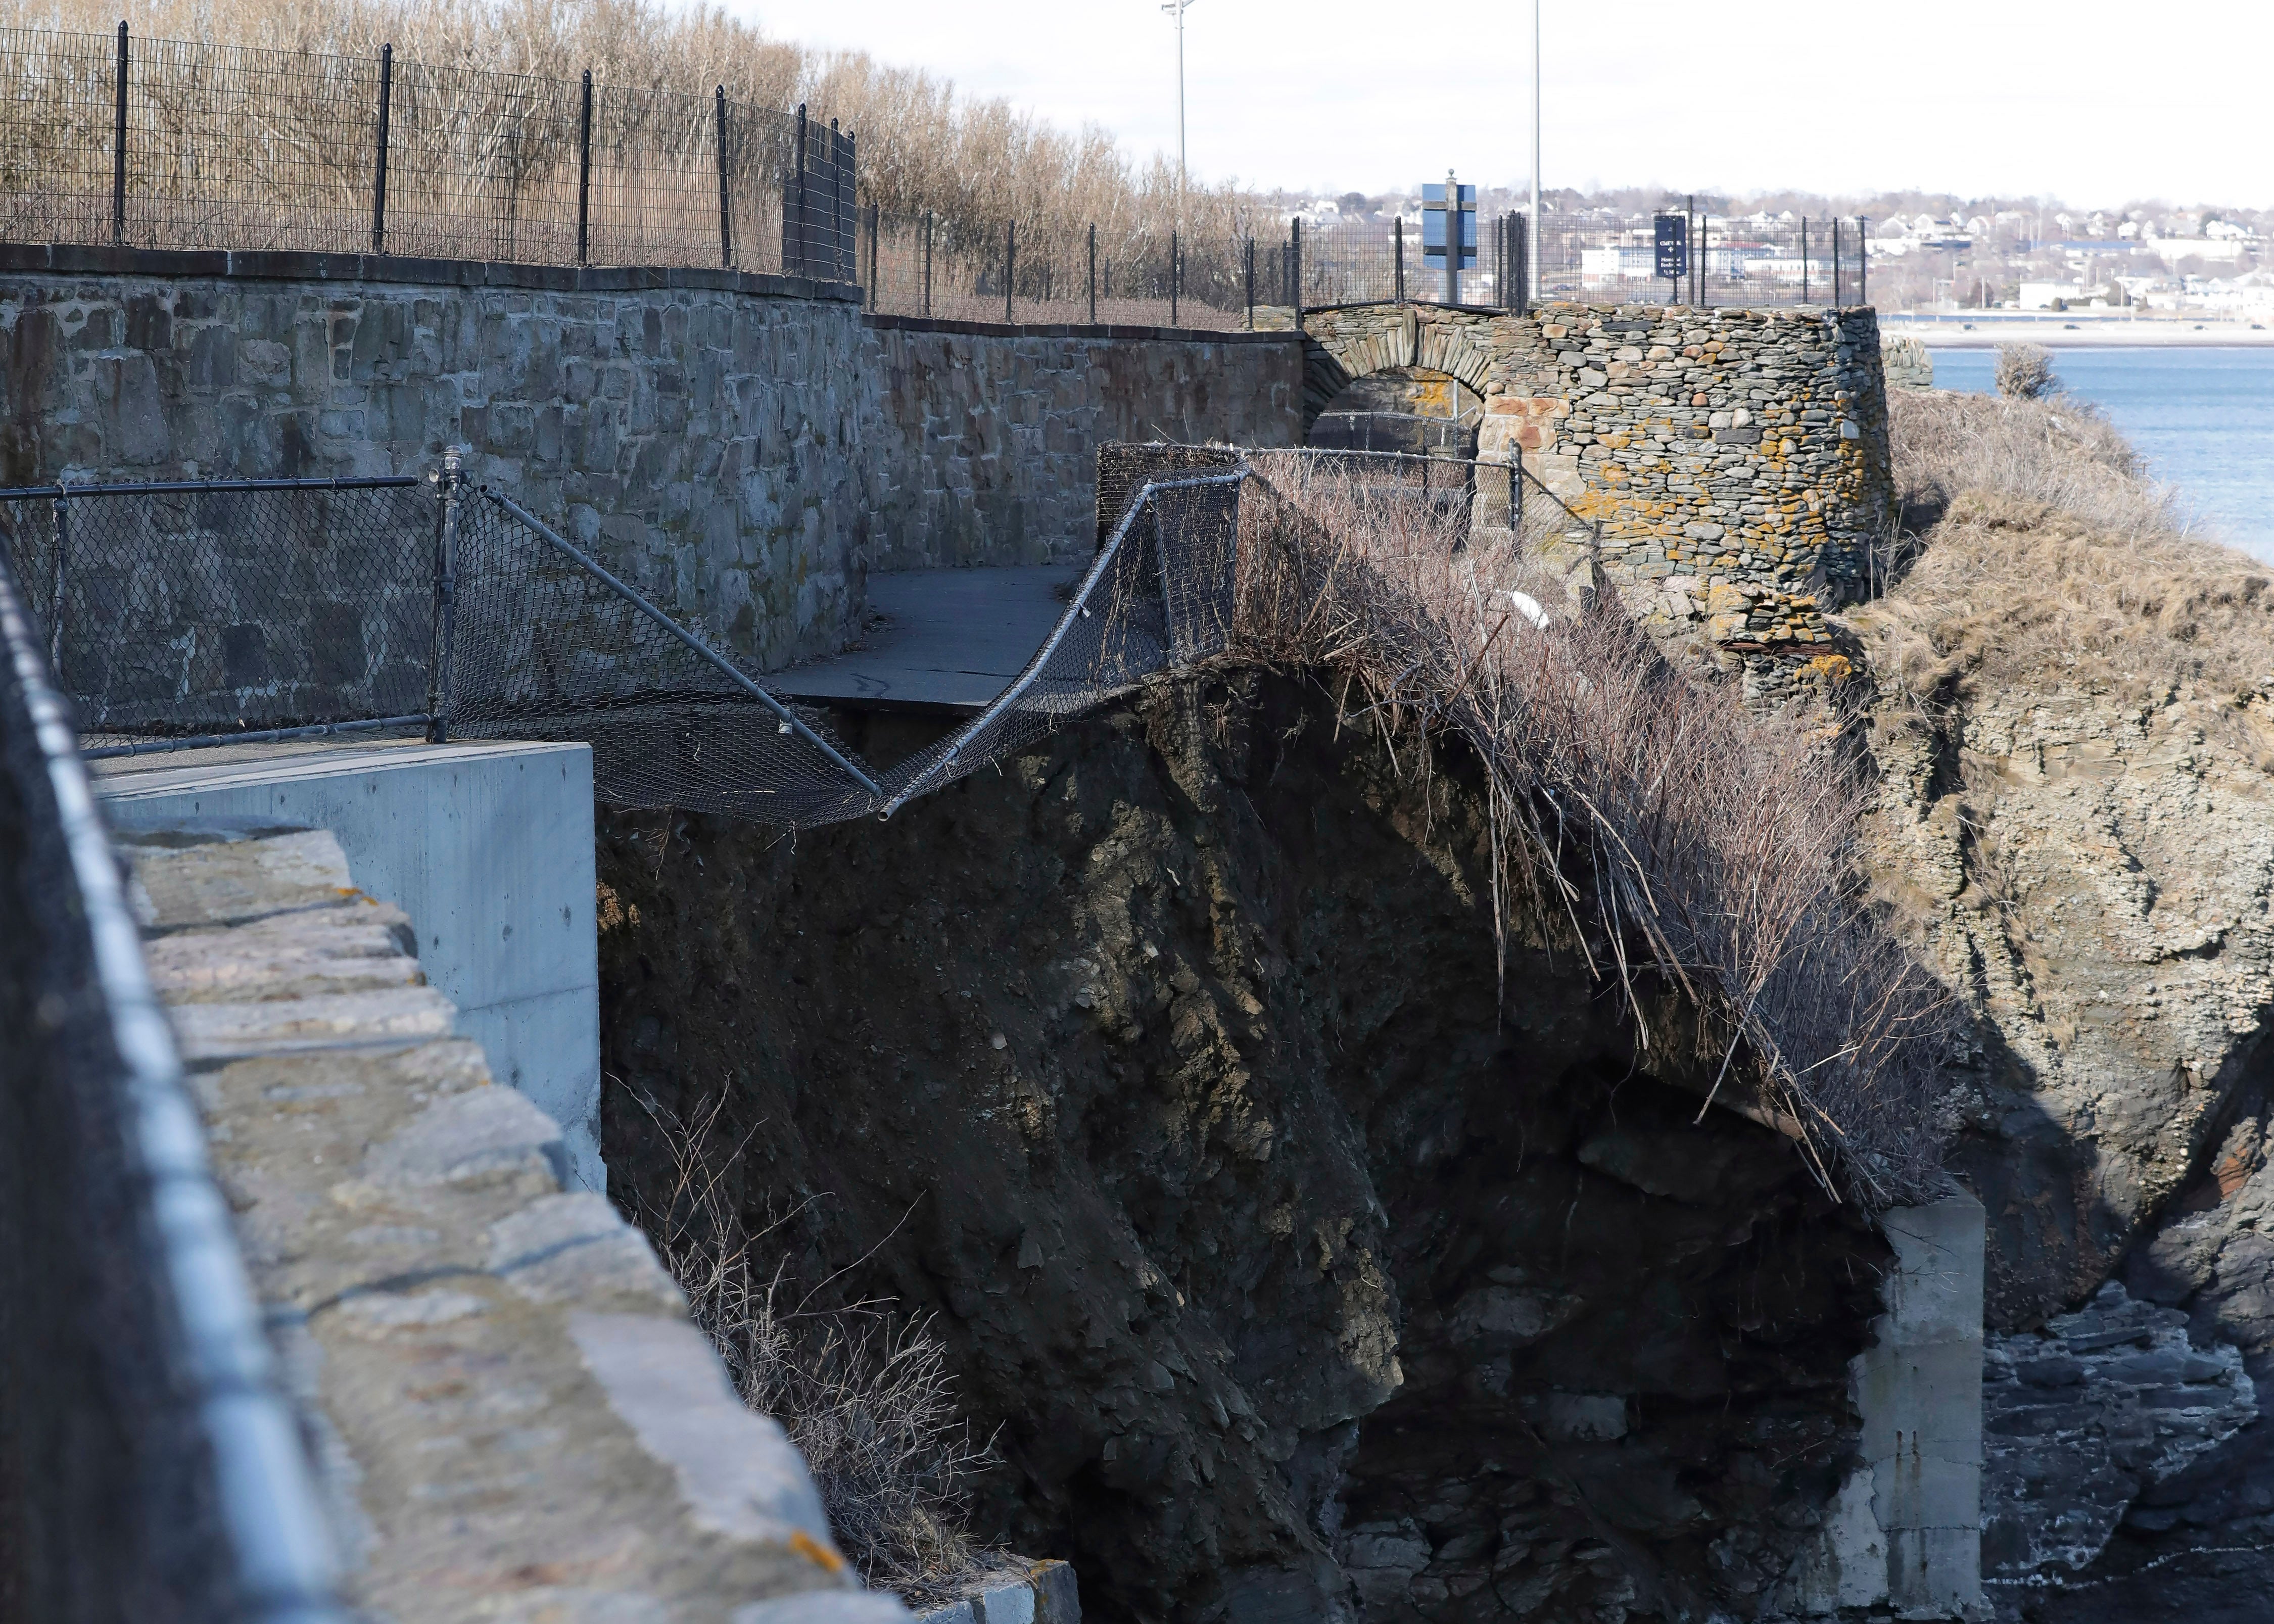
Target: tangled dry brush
1685	840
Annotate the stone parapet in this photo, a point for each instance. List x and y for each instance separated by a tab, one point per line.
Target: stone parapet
511	1415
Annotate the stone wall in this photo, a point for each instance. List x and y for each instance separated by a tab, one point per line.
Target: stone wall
1738	449
743	447
983	446
698	427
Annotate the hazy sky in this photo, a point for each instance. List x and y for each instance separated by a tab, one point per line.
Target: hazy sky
2083	98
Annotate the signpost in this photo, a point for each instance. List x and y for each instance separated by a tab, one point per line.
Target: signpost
1670	236
1458	203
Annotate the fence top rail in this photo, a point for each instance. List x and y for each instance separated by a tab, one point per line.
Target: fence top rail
198	487
1515	465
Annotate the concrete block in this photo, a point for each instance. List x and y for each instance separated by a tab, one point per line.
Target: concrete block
487	846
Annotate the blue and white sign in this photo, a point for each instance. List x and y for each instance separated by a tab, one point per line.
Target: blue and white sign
1432	224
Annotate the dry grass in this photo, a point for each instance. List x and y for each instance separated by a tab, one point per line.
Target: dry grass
975	163
1682	835
2055	560
864	1393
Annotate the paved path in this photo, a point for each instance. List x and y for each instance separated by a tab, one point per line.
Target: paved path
950	641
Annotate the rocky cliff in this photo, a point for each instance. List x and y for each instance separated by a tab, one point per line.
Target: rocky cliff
1304	1272
2075	728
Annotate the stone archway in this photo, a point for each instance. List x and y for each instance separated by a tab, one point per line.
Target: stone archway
1342	345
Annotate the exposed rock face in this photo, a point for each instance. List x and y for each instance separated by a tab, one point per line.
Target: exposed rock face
2076	822
1302	1281
2081	1413
2091	874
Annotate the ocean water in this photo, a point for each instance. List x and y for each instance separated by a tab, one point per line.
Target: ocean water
2203	419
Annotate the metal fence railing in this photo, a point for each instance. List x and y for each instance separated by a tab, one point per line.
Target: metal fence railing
149	1467
185	614
115	140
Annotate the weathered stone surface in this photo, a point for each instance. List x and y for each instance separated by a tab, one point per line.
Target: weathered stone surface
511	1415
981	447
2083	1413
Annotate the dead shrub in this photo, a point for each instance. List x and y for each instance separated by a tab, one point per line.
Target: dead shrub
2064	454
1679	833
864	1393
2025	373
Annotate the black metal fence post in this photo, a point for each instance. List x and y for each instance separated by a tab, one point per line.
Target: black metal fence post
60	581
378	178
848	214
1251	282
1010	265
725	214
1093	274
794	245
585	174
119	152
1803	259
927	304
875	225
1863	259
1174	267
1400	233
1835	262
446	600
1295	268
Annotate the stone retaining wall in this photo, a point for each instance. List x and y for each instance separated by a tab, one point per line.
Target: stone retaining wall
984	446
698	427
743	447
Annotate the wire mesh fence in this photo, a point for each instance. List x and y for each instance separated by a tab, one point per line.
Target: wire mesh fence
924	265
179	144
181	610
1757	262
195	613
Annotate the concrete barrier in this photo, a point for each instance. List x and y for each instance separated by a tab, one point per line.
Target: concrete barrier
488	846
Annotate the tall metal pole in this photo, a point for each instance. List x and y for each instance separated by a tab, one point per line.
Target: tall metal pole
1531	237
1175	8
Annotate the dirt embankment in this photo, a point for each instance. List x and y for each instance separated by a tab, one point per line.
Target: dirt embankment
1164	1065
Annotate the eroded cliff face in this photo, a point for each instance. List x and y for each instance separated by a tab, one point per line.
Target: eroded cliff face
2076	826
1303	1276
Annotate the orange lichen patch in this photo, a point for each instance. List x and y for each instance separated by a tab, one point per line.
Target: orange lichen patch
813	1550
1831	669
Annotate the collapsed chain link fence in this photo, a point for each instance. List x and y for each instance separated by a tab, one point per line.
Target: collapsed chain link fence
196	613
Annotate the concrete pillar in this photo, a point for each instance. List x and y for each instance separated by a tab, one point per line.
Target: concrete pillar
1905	1530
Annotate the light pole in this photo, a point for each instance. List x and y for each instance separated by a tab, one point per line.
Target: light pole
1532	237
1176	8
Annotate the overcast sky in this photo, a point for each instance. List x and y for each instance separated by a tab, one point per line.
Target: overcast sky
2083	98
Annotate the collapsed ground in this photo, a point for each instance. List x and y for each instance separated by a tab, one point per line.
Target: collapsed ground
1164	1066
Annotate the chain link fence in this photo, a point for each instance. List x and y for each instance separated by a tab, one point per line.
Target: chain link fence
185	614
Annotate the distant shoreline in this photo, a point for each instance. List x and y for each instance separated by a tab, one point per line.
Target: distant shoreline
1951	333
